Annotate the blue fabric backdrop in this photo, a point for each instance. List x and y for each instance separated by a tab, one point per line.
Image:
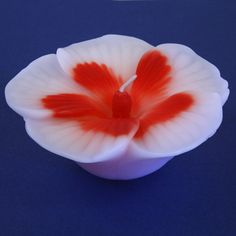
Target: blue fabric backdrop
43	194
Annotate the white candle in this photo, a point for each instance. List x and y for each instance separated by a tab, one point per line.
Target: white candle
118	106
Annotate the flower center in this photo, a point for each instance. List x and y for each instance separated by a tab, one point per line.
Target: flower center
121	101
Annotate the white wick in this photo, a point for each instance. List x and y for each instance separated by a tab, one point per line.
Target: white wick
127	83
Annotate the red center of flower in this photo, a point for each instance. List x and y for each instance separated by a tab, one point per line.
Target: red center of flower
112	110
121	105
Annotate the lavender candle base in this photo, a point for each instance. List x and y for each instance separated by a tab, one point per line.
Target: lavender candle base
125	168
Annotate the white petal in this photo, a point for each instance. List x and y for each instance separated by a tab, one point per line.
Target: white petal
120	53
192	72
182	134
42	77
67	139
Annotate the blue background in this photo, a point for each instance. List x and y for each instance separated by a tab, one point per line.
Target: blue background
43	194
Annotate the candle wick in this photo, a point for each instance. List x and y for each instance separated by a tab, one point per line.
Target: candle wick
127	83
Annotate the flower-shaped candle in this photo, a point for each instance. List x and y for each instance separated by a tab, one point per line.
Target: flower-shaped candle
118	106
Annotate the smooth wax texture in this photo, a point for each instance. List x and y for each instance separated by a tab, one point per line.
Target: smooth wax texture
79	103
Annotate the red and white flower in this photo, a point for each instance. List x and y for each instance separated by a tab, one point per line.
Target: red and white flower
77	103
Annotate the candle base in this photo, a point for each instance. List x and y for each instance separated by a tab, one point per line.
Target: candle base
125	168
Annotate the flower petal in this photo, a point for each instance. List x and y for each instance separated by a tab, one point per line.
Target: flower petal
73	106
119	53
90	115
153	79
165	111
191	72
42	77
98	79
81	143
182	132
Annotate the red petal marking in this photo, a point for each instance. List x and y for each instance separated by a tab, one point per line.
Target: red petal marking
121	105
152	78
112	126
165	111
72	106
91	115
152	81
98	79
